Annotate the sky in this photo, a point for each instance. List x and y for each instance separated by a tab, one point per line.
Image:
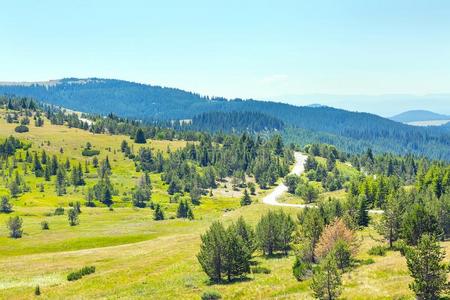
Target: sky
294	51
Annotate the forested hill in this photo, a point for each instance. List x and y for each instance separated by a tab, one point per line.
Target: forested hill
353	131
418	115
242	121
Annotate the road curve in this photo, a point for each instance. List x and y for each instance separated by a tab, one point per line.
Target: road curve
299	168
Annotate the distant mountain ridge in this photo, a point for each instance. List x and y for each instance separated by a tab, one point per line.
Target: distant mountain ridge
351	130
418	115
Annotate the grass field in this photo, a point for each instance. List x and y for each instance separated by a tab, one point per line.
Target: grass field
139	258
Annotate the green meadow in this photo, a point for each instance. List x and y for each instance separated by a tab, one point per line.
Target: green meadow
139	258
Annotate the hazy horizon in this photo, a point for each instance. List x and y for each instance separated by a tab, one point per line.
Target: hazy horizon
260	50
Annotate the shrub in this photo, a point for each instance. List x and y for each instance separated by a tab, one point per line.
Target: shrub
90	152
211	295
377	250
80	273
44	225
260	270
400	246
14	225
368	261
87	270
21	129
59	211
74	276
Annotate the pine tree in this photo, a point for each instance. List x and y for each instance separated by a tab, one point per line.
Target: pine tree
390	224
363	213
326	282
14	225
60	183
158	213
139	138
237	255
72	215
37	167
246	200
5	205
212	251
425	264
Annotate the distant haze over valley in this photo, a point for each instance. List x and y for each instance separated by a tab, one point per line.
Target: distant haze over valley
384	105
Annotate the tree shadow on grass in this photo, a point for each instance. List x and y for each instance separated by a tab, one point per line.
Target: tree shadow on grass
232	281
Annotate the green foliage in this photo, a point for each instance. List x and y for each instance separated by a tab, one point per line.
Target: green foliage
139	138
5	205
224	252
59	211
14	225
274	232
417	221
72	216
377	250
21	129
425	263
246	199
158	214
45	225
37	291
301	268
211	295
72	276
326	281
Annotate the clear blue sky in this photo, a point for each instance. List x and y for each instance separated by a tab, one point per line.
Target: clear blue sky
260	49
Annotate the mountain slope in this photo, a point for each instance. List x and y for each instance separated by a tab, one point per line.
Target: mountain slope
353	131
418	115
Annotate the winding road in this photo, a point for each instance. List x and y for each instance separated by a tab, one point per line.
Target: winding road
299	168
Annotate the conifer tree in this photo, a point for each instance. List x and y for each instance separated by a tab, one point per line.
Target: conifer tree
246	200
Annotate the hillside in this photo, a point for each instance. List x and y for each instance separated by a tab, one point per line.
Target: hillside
418	116
354	131
136	255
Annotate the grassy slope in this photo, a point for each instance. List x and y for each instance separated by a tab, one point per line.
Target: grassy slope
137	257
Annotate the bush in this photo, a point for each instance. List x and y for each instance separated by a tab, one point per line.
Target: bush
400	246
211	295
368	261
260	270
44	225
59	211
74	276
90	152
21	129
80	273
87	270
377	250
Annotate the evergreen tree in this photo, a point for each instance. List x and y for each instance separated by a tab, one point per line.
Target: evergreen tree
326	282
390	224
237	255
425	264
246	200
72	215
5	205
14	225
60	183
363	213
139	138
158	213
212	251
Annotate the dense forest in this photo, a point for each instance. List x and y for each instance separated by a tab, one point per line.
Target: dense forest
242	121
350	131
